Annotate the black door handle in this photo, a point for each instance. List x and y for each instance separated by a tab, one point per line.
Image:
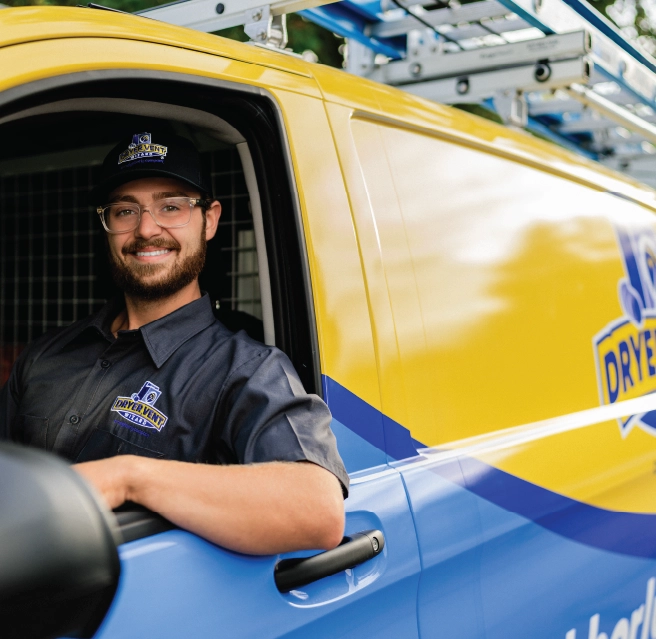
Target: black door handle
354	550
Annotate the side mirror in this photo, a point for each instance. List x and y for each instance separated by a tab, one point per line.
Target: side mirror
59	565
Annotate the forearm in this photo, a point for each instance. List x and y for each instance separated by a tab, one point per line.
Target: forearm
257	509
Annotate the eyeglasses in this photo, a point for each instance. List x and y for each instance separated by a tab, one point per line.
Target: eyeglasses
168	213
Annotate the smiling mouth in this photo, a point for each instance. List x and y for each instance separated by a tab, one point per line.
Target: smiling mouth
152	253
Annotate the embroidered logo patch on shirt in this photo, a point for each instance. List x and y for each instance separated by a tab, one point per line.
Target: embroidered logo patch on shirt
142	148
140	409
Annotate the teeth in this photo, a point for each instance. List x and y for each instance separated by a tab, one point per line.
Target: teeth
151	253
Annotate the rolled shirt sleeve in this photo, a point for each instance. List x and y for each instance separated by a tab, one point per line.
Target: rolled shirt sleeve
268	416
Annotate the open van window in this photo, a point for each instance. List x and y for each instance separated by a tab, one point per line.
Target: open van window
53	268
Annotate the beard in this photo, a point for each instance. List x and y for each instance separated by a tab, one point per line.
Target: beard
133	280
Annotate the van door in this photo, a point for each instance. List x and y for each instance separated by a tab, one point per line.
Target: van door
173	583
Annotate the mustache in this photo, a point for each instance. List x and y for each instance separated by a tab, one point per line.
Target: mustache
158	242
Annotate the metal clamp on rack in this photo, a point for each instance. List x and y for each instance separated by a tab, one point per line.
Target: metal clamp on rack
260	26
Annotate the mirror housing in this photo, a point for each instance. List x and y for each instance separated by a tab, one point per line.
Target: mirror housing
59	564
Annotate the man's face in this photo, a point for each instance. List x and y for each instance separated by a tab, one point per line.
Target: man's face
151	262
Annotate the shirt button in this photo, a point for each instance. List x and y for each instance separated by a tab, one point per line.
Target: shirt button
105	363
74	419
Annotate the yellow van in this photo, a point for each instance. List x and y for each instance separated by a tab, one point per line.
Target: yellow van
476	306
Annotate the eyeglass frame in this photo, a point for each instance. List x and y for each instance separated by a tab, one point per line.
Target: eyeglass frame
193	202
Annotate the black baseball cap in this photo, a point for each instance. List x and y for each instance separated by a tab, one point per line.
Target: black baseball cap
144	155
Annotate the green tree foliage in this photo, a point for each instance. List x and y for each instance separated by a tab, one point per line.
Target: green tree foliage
307	36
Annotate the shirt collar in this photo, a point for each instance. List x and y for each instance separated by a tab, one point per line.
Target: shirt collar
165	335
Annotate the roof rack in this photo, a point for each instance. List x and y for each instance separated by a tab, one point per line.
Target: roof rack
557	67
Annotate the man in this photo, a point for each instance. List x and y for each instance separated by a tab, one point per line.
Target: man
141	392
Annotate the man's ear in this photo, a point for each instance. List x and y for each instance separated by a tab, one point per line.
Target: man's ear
212	216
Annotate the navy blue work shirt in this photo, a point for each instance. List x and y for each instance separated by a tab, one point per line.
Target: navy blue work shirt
183	387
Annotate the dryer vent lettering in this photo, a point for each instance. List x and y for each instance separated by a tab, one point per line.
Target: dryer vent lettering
625	350
142	148
139	407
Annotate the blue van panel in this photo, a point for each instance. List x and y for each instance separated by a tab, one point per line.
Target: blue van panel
626	533
448	530
539	584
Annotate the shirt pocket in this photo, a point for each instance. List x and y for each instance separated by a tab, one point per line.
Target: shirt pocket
102	444
32	430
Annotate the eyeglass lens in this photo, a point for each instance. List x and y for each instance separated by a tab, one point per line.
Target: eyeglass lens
169	212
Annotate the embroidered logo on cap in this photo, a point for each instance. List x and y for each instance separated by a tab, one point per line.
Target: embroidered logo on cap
142	148
139	408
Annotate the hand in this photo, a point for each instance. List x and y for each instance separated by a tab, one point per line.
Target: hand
108	477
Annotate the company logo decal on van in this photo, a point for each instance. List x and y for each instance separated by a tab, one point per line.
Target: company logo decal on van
139	407
625	350
142	148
